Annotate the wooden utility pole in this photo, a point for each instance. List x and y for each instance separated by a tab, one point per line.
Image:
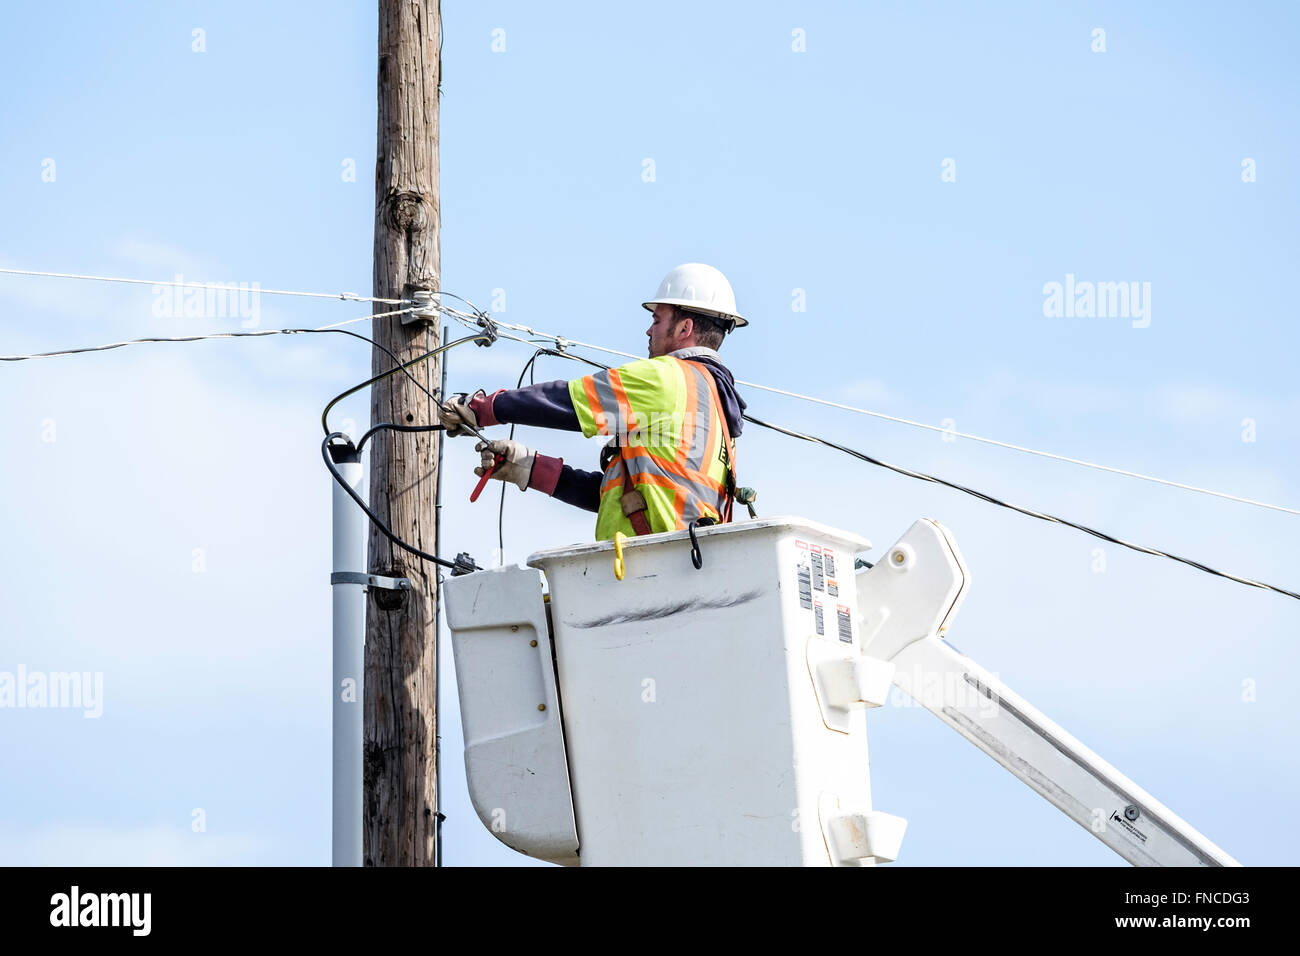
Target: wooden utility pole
400	813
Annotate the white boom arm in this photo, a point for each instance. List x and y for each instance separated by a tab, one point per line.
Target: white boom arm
906	603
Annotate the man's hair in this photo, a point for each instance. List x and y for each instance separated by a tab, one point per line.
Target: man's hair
708	331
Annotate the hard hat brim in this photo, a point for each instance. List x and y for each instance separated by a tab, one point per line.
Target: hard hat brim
691	306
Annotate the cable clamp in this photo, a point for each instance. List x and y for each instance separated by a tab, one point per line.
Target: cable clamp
561	343
464	564
487	325
370	580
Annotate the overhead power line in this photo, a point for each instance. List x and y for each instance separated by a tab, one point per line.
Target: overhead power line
562	342
479	318
236	334
922	476
1024	511
345	296
490	330
333	327
1029	451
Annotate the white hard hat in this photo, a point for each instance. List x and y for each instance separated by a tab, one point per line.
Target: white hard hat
698	288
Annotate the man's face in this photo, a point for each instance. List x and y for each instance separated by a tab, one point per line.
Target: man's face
665	332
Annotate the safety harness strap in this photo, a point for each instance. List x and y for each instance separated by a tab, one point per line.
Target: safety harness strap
633	501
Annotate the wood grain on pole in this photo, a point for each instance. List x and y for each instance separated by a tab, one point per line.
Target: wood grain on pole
399	825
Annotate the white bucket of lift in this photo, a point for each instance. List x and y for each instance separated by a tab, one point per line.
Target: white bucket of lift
691	711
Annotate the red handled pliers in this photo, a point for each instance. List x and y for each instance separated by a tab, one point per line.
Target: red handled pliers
478	489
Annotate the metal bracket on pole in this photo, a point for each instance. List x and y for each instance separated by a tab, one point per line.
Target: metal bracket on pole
370	580
424	305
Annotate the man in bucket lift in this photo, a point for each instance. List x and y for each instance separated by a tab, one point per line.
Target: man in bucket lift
672	419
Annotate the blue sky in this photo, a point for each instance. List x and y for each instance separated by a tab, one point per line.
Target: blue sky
817	171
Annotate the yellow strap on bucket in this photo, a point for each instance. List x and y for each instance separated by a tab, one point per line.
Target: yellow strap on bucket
619	538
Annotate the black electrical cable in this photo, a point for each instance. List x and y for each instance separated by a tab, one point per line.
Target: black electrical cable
459	566
463	563
383	348
402	367
989	498
1024	511
258	333
487	336
389	426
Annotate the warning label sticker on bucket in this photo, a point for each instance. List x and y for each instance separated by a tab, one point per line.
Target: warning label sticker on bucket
805	586
829	557
845	622
817	576
819	617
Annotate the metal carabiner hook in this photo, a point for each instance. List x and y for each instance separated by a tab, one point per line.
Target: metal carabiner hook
696	558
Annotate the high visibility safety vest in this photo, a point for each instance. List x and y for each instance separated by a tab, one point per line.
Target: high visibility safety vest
667	420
